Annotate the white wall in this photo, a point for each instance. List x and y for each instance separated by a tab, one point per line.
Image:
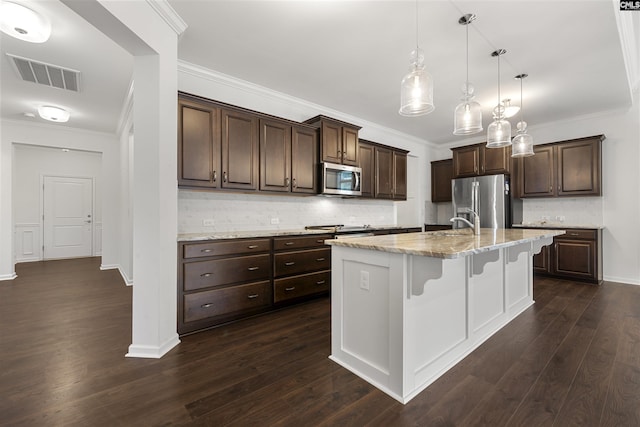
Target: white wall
31	163
210	84
20	134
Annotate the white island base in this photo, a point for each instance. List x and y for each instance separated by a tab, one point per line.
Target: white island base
401	320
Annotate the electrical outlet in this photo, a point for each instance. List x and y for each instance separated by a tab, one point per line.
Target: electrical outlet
275	221
364	280
208	222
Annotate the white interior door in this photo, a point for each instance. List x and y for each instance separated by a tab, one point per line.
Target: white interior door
68	217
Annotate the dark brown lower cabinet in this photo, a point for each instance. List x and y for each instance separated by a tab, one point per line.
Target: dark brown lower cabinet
575	255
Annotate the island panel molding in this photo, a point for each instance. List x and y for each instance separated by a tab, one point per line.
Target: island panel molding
401	317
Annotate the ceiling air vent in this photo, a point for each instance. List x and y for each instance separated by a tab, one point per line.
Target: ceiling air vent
46	74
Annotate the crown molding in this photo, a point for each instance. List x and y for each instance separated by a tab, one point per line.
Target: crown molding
264	92
170	16
630	45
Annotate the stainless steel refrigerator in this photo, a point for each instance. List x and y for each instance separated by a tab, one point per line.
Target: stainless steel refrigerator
489	196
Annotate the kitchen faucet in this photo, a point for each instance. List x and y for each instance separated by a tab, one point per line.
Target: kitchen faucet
476	220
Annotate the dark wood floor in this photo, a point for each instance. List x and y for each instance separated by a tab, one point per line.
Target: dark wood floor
571	359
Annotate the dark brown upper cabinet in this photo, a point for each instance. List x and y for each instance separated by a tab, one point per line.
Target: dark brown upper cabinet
198	143
239	150
477	159
384	171
288	157
366	157
441	176
562	169
338	140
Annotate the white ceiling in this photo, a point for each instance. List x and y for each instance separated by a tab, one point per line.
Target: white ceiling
350	56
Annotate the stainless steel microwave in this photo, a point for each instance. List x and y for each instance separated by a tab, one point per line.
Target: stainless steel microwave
341	180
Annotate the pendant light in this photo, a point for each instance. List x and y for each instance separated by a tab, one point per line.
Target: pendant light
416	89
467	118
509	110
499	131
522	142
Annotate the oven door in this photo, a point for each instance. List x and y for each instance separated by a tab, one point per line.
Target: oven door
341	180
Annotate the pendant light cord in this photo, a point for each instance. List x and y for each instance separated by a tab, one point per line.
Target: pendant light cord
521	103
466	88
500	112
417	46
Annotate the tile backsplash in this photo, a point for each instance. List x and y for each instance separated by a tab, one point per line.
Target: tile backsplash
247	212
573	211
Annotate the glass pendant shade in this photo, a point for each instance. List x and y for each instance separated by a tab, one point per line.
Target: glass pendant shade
522	142
416	89
498	133
467	118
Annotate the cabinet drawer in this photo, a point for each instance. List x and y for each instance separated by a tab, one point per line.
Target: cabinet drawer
299	286
226	301
205	274
579	234
229	247
283	243
288	263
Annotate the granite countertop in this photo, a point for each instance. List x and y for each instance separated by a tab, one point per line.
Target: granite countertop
557	225
446	244
221	235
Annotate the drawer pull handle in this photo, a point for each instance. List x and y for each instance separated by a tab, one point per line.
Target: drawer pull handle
320	282
206	251
319	241
290	263
288	243
319	259
290	289
574	234
252	246
207	305
252	296
206	274
253	268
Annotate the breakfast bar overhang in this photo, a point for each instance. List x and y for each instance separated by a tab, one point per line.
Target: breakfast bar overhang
405	308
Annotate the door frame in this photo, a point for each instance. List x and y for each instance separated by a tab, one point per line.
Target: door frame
93	208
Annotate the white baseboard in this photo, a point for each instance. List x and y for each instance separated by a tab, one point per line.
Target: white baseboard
127	280
623	280
9	276
153	352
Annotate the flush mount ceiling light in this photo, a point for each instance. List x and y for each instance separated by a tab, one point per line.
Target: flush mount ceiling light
522	142
416	89
499	131
23	23
54	114
467	118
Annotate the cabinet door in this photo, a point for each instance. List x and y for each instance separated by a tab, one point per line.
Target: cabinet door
579	168
399	175
198	144
537	174
466	161
239	150
384	173
495	160
275	156
441	175
575	258
331	142
304	161
368	165
541	261
349	146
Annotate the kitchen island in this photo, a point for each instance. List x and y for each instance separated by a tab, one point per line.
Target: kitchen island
406	308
